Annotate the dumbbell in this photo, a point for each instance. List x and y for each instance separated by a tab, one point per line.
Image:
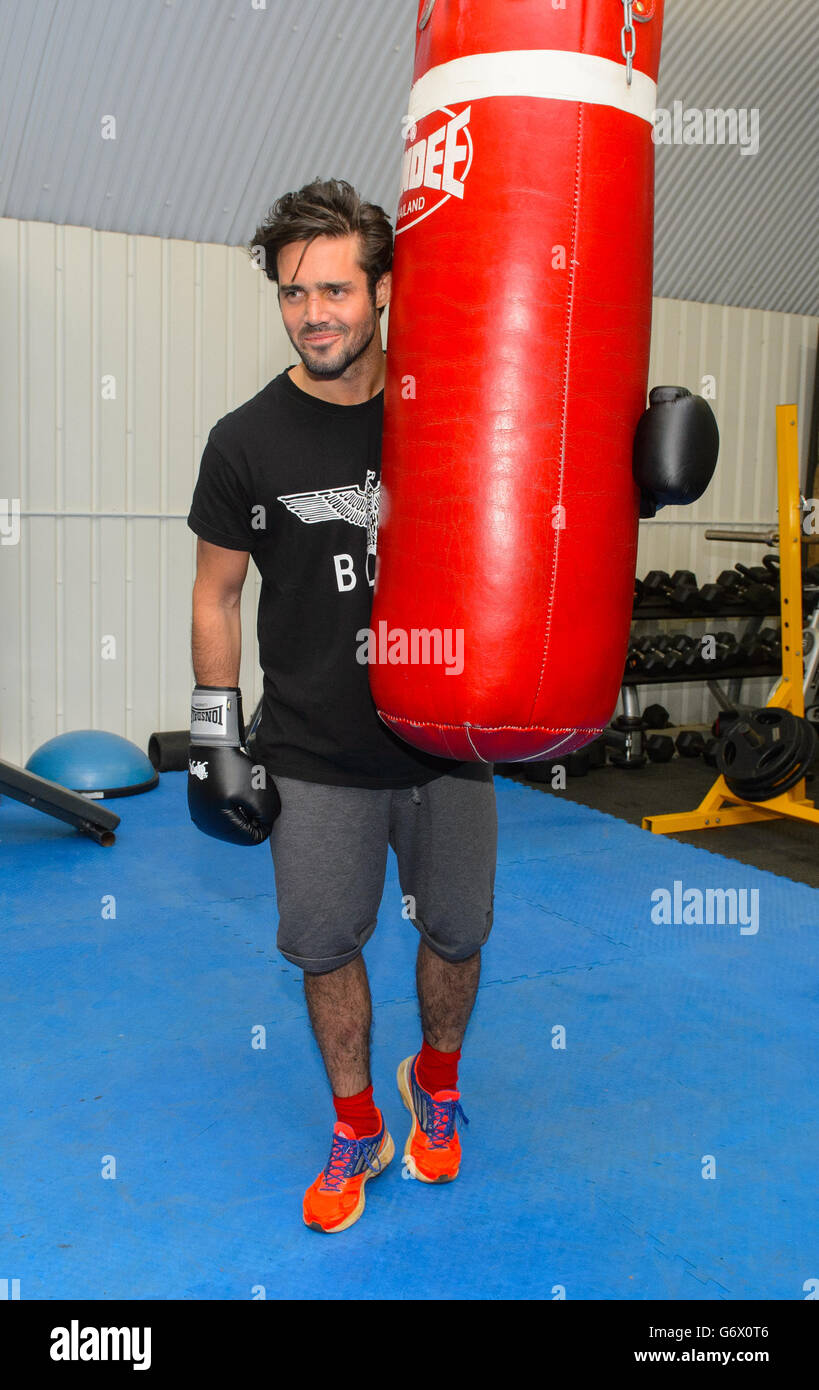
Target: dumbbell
695	663
677	646
577	764
685	596
759	574
720	596
657	585
766	646
656	654
723	722
623	737
721	726
738	582
679	642
679	589
593	755
733	590
726	650
655	717
756	649
659	747
750	651
690	744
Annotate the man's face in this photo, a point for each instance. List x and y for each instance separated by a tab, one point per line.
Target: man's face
327	311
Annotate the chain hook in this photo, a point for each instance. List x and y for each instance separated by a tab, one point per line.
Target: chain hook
427	14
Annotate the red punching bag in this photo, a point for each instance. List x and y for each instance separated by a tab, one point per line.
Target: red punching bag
517	365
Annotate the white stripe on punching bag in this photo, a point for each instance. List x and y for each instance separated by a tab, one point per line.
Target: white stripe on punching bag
537	72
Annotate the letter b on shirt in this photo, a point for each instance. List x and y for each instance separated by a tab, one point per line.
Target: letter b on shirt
345	573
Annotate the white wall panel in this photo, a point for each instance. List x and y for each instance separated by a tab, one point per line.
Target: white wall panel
188	331
759	359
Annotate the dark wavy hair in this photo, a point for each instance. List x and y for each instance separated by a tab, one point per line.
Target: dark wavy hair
332	208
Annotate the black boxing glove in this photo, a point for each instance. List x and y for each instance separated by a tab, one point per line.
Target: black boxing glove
676	444
229	796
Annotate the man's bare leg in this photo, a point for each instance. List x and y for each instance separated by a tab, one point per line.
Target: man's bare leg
340	1009
446	996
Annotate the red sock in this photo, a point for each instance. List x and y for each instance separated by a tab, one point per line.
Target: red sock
437	1071
358	1112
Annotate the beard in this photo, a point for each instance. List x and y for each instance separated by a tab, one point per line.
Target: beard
332	361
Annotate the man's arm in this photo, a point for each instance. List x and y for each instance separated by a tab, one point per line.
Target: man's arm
216	635
226	798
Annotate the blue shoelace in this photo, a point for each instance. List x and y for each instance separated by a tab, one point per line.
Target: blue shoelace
443	1122
344	1155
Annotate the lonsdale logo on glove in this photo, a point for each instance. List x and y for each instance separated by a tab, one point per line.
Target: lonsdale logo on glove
210	711
212	715
229	796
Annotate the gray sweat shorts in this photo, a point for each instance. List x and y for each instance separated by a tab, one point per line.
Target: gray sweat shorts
329	847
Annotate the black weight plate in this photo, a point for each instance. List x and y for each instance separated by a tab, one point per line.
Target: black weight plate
766	753
766	793
757	750
808	752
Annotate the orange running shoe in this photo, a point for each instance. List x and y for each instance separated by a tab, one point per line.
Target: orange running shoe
336	1199
433	1150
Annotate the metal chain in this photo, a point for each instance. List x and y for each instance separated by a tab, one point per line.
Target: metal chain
628	35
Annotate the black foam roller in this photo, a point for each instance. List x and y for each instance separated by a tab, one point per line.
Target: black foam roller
169	751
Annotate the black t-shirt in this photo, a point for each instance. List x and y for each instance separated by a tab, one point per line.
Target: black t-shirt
294	480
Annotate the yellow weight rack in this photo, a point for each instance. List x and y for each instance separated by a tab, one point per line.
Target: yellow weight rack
720	806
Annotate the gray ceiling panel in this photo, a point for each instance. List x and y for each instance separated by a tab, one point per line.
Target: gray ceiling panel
733	228
220	107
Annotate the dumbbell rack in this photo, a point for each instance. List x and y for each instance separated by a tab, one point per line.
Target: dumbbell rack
626	733
721	807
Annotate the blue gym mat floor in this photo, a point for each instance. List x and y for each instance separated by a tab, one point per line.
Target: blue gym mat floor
127	1039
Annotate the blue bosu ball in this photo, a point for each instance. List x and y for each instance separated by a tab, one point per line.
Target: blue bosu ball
94	763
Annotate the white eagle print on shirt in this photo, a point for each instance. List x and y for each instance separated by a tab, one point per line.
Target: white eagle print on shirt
356	504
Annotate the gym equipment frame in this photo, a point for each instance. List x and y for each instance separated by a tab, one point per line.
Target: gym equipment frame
721	807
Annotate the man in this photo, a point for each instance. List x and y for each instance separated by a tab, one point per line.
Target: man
291	478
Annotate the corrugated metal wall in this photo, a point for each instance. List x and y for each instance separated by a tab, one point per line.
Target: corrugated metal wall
734	228
219	108
96	595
